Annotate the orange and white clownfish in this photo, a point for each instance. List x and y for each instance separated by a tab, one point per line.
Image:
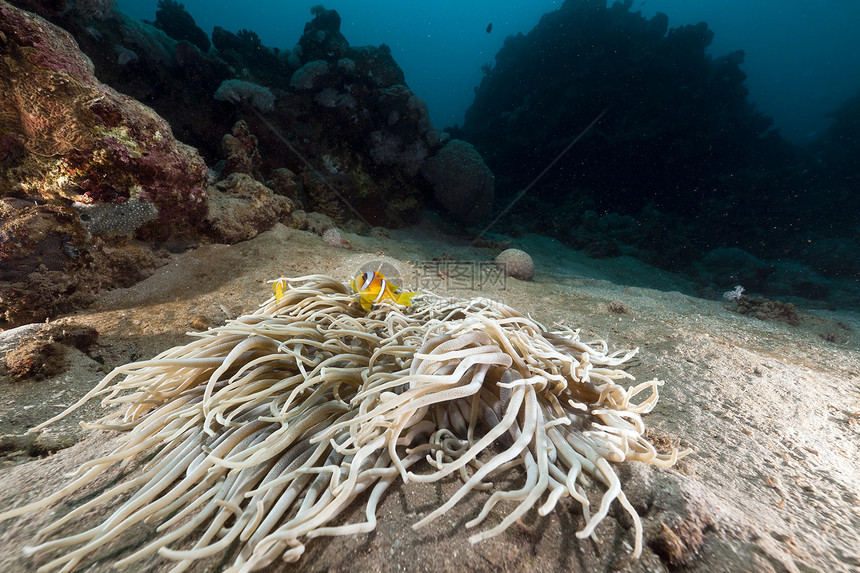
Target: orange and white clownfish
279	286
373	287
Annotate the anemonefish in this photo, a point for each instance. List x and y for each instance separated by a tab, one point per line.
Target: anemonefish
373	287
279	286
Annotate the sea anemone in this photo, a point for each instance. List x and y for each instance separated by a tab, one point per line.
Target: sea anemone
265	429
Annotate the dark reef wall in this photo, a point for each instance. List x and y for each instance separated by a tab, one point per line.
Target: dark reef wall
837	150
681	170
675	116
835	175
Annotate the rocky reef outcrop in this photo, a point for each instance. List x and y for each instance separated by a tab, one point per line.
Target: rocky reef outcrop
179	25
84	169
341	117
462	182
121	139
70	138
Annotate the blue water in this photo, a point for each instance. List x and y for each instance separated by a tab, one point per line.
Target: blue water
802	57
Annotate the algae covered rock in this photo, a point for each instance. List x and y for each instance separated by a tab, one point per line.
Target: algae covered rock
241	207
72	138
81	163
462	182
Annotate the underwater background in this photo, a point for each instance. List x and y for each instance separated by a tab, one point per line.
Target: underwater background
801	58
718	144
214	184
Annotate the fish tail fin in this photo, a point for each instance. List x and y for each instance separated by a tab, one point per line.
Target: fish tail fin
404	298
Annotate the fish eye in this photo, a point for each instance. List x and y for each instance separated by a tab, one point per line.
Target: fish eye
364	276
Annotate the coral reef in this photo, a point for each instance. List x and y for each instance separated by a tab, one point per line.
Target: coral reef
284	182
322	87
34	360
77	139
306	76
40	350
38	238
244	51
313	222
829	200
680	165
235	91
837	149
140	60
337	89
49	263
241	152
679	170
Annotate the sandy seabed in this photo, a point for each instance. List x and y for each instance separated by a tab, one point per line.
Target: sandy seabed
772	412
